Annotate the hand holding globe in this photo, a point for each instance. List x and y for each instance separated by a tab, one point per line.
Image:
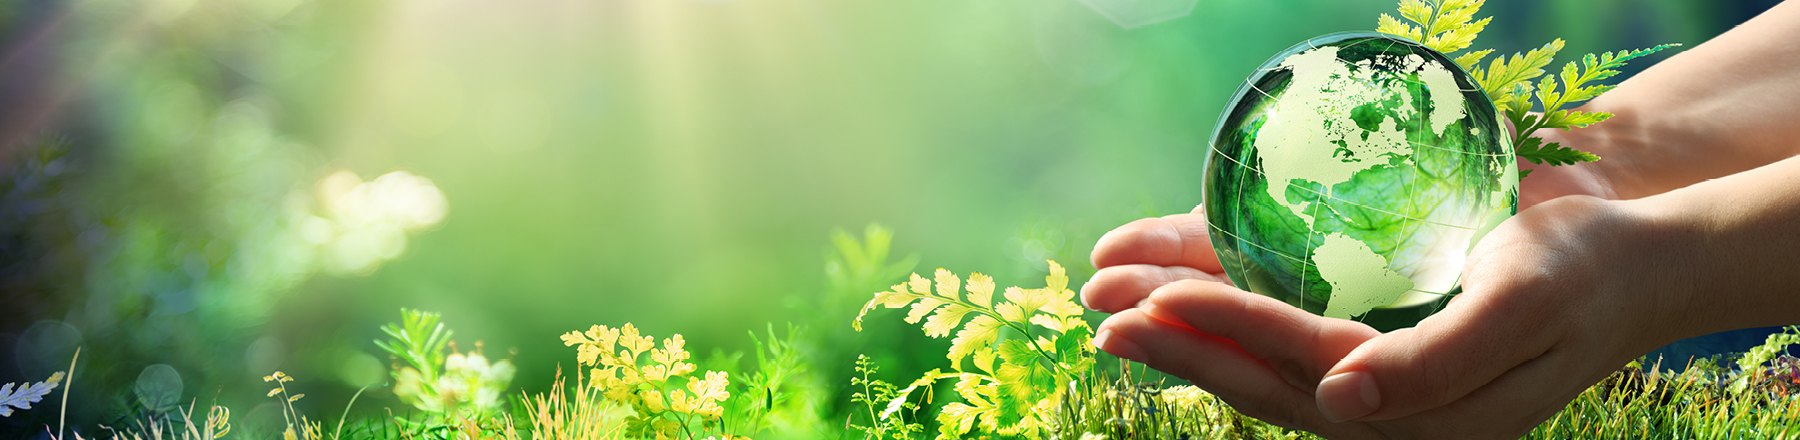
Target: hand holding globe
1686	229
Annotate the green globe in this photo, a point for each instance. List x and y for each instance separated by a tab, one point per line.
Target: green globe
1351	174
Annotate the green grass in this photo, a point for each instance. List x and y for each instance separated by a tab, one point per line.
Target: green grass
780	394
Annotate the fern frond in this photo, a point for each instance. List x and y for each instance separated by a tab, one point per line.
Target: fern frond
1574	79
1577	74
1000	398
26	394
1569	119
1536	151
1471	60
1546	92
1458	38
981	332
1390	25
1444	25
1502	78
1419	11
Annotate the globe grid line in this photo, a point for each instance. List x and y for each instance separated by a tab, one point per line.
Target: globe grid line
1412	198
1314	228
1242	171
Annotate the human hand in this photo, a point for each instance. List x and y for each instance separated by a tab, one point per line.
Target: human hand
1545	299
1587	179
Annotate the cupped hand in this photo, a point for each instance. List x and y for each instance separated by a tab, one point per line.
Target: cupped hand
1554	299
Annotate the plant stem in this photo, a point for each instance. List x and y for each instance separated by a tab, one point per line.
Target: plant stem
1022	330
60	417
340	427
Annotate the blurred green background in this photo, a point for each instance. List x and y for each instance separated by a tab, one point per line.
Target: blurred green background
206	183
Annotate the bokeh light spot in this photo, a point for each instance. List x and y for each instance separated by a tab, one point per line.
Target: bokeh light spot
158	388
265	355
365	223
46	347
361	369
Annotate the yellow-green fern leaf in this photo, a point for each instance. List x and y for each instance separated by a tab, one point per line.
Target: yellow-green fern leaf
1393	26
895	298
981	290
980	333
1503	78
948	285
923	307
1569	119
1457	39
1419	11
946	318
1471	61
1058	279
1028	299
1444	26
1453	16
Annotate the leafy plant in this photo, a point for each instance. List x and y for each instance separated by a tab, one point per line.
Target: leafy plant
1753	360
892	420
862	266
773	389
308	430
453	385
1021	380
26	394
854	267
665	401
1445	26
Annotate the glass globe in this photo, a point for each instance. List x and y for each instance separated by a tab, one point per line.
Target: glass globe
1351	174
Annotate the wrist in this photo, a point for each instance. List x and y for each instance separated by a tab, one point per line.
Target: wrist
1723	251
1655	247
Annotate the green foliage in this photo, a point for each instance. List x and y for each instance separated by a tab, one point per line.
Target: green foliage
306	429
158	388
775	395
1575	87
1508	81
1126	409
665	402
896	417
1753	360
1020	380
1444	25
419	340
26	394
458	385
862	266
1536	151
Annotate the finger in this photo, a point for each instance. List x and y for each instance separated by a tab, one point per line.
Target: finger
1221	368
1515	402
1176	240
1440	361
1116	288
1299	345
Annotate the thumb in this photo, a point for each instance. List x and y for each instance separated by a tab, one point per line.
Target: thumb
1440	361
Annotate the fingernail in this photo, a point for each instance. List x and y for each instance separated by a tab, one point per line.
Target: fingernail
1110	342
1150	309
1346	396
1083	295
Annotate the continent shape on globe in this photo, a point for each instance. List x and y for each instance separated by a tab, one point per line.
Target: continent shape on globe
1380	170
